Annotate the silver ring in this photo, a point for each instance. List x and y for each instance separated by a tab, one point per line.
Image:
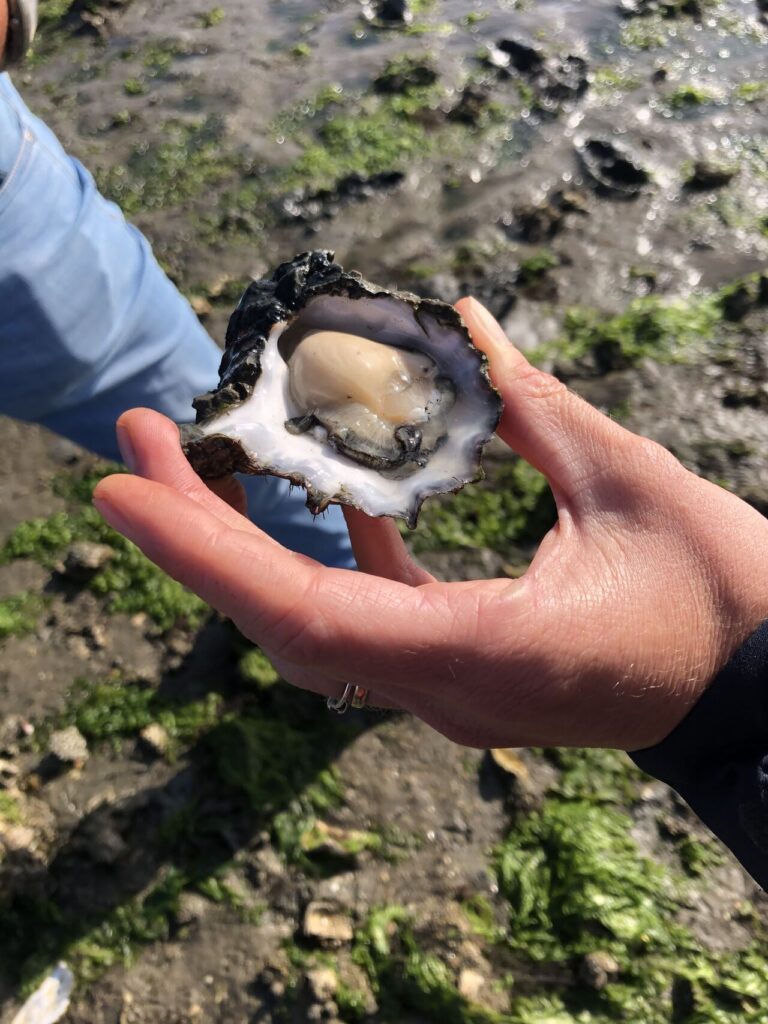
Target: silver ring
353	695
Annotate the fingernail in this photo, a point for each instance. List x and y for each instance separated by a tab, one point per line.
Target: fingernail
489	323
126	448
114	518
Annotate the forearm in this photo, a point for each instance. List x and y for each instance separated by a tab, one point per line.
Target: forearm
89	319
717	758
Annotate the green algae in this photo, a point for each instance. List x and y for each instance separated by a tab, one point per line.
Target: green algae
607	79
689	96
210	19
10	810
751	92
535	267
53	11
593	775
115	710
514	506
188	161
256	669
129	582
574	883
20	614
667	330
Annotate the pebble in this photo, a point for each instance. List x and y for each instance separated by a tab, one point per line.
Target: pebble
470	984
85	558
155	739
327	924
708	174
69	746
596	970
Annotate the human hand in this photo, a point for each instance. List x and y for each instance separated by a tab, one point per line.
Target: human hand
3	28
635	599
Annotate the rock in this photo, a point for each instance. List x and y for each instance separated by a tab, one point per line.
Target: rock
201	306
323	984
327	924
707	174
155	739
85	558
611	169
597	970
69	746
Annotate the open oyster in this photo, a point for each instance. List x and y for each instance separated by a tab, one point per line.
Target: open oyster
363	396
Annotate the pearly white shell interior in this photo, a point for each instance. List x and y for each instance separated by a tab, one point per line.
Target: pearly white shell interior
259	422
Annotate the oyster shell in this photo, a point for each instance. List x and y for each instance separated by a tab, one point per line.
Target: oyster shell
363	396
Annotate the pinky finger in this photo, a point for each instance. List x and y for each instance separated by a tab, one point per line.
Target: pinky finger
325	686
380	550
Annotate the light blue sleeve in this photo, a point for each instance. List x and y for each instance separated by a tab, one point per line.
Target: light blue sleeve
90	325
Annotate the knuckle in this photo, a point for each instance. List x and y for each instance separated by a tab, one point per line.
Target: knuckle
295	637
655	458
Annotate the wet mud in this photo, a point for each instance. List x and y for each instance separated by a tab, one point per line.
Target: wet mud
596	173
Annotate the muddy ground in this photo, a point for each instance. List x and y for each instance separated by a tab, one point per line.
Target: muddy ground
198	841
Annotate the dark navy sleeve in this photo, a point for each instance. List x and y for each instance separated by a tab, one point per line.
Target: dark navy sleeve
717	757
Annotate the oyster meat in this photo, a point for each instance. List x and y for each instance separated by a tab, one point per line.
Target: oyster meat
363	396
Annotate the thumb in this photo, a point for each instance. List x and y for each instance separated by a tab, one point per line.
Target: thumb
559	433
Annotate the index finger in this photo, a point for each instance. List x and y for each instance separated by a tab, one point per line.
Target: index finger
557	432
345	624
